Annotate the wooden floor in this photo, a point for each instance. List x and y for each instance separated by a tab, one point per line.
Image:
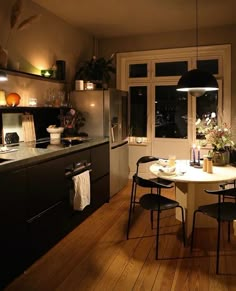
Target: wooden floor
97	256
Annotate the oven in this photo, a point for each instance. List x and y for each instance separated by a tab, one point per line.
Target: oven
72	170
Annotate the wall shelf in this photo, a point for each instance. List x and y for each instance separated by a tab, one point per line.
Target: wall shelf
32	76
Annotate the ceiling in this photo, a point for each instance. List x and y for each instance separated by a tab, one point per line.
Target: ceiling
115	18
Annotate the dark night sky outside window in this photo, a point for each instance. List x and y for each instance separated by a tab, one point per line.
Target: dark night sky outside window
138	71
170	112
210	66
171	69
138	114
206	104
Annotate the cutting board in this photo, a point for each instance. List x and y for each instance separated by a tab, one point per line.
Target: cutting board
28	127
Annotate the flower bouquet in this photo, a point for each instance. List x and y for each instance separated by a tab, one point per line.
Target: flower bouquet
72	121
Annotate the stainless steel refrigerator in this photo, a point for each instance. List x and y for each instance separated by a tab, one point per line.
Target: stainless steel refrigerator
107	114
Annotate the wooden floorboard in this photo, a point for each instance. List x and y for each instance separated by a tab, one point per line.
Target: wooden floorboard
97	256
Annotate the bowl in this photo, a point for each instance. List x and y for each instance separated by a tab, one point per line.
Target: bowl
55	129
55	132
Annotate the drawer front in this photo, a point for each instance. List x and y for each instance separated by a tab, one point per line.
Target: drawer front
100	161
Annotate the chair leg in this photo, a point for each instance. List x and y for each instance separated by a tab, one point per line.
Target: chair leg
193	228
131	208
151	218
134	197
183	225
129	220
228	231
218	248
157	233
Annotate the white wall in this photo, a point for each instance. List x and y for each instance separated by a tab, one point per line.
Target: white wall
41	44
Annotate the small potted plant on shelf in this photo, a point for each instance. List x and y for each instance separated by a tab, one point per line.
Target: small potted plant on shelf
97	71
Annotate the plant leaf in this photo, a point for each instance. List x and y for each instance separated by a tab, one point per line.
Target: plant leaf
28	21
15	13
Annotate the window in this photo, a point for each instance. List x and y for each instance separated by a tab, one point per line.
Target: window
171	68
157	111
211	66
138	110
138	71
206	105
170	112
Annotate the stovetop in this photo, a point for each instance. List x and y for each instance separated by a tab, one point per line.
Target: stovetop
64	142
45	143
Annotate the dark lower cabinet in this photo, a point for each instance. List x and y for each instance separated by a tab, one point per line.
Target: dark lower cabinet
14	235
36	210
100	176
46	229
100	192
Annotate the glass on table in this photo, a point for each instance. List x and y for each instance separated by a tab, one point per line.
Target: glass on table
171	160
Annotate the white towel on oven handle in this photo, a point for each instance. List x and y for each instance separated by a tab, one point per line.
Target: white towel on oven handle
82	190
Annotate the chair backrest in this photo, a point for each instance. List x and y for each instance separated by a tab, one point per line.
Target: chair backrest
146	183
144	160
231	192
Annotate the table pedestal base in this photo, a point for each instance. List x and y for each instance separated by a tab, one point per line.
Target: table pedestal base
190	196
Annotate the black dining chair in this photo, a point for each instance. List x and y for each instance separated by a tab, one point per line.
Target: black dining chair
153	202
221	211
228	184
145	160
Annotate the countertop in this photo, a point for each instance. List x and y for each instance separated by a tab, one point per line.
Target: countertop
26	155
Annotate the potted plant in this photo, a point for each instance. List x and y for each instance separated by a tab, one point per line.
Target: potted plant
96	70
72	120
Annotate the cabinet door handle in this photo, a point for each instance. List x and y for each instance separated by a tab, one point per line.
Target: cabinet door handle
32	219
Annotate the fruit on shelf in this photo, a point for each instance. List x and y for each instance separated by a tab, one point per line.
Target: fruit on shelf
13	99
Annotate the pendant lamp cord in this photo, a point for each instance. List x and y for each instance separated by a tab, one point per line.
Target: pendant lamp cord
196	32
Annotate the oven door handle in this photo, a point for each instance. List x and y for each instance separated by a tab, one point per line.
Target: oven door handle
78	171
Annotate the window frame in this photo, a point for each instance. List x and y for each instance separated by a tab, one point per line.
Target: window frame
220	52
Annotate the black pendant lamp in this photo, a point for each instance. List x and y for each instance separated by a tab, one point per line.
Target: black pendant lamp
196	81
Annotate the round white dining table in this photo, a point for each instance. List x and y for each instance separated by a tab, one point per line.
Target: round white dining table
190	183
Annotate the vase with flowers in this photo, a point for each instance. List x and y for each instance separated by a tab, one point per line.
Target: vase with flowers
219	137
72	120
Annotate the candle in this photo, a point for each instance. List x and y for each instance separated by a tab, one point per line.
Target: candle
198	154
194	159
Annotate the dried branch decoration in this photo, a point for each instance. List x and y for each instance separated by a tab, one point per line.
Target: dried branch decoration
27	22
15	13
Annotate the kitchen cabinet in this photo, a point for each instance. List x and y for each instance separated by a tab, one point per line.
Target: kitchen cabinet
100	161
46	185
35	207
100	176
47	207
14	233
